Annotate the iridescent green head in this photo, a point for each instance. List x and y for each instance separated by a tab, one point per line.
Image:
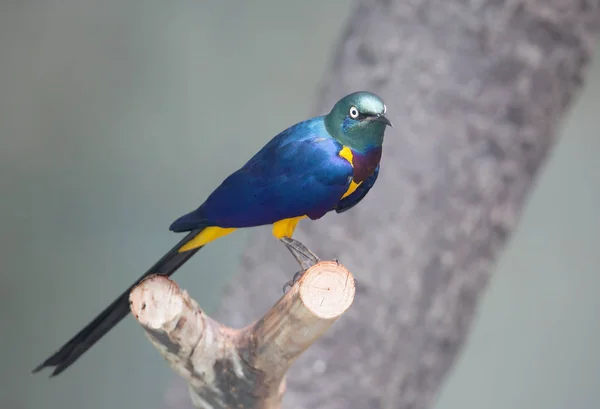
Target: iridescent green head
358	121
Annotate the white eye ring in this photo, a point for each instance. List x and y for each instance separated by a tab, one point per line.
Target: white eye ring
384	109
353	112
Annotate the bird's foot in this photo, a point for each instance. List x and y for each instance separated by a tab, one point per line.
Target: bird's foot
293	281
301	253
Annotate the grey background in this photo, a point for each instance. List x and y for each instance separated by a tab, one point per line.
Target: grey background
117	117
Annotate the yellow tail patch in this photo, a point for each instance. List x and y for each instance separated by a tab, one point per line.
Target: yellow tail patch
206	236
286	227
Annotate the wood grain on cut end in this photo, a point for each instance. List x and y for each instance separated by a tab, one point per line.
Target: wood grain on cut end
177	327
323	293
156	302
327	289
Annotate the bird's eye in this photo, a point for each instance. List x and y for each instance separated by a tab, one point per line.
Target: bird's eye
353	113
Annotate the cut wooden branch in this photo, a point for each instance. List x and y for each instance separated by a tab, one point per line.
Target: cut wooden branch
241	368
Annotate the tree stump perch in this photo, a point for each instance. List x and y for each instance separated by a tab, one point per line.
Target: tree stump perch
241	368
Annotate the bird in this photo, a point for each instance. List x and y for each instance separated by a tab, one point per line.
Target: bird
323	164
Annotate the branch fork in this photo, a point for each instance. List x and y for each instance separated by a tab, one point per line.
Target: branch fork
241	368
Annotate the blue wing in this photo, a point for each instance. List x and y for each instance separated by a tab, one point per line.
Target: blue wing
297	173
352	200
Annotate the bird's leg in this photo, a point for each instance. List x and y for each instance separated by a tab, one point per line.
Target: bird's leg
305	258
301	253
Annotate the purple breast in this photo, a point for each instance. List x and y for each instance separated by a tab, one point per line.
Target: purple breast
365	163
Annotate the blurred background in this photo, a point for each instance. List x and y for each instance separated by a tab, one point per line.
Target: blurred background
116	117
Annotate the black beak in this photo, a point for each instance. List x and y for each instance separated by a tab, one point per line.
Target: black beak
382	118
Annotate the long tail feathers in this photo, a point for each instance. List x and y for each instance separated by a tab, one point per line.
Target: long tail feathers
115	312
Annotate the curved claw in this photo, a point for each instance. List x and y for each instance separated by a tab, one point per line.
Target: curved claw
293	281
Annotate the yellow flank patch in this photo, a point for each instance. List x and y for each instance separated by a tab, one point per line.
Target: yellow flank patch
353	186
346	153
286	227
206	236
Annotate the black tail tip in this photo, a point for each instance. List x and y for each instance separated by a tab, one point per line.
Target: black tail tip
58	368
54	373
40	367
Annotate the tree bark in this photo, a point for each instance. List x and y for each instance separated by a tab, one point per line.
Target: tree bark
476	91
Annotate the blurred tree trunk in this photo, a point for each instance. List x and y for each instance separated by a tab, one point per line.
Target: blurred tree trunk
476	91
